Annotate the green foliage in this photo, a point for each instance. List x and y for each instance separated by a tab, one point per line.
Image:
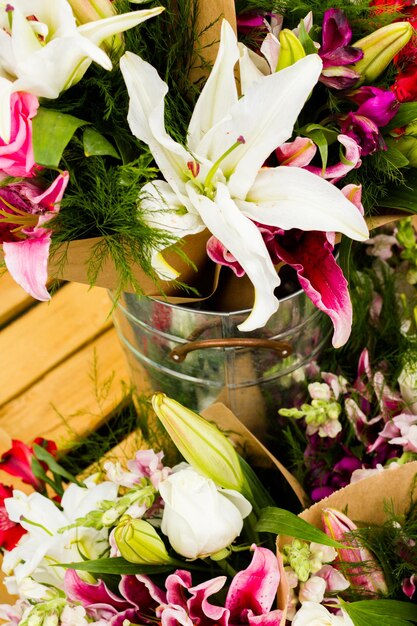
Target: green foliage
380	612
282	522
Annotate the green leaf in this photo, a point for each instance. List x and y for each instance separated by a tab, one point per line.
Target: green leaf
282	522
381	612
46	457
407	113
404	196
394	156
52	131
96	144
116	565
305	39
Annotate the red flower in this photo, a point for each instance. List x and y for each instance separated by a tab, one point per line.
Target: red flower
18	461
10	532
405	86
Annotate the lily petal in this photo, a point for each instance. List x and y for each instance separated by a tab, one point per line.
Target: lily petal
297	153
27	262
243	239
291	197
254	589
322	280
99	30
219	92
270	125
252	67
270	48
146	119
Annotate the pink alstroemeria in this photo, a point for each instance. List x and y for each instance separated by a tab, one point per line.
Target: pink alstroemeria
301	151
336	52
357	564
24	211
18	461
16	155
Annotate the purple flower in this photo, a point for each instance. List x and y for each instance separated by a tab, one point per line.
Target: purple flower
364	131
336	52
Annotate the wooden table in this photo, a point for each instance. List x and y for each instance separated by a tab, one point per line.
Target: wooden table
52	357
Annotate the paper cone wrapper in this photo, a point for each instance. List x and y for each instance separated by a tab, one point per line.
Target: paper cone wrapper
364	501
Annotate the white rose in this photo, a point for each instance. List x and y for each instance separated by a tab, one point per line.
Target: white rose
314	614
200	518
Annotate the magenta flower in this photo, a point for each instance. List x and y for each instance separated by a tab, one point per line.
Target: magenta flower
16	156
18	461
24	210
336	52
379	105
364	131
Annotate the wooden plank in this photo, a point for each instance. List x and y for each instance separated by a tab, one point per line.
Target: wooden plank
64	405
13	299
48	334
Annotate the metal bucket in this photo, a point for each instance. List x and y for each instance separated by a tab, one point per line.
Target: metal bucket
199	357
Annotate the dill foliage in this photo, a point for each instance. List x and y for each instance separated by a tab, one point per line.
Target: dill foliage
103	195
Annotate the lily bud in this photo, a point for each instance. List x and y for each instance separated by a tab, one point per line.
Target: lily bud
357	564
91	10
138	542
379	48
201	444
291	49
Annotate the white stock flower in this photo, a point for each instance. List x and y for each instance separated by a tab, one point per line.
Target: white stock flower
218	181
199	518
314	614
43	544
312	590
43	51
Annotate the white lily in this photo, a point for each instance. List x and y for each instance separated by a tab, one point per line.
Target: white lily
43	51
44	543
218	180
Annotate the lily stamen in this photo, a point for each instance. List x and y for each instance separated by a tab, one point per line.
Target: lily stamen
208	183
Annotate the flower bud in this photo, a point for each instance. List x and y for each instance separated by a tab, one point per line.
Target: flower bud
379	48
138	542
357	564
291	49
201	444
88	11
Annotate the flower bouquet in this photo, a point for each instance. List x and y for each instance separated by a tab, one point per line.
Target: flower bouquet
196	543
360	417
135	152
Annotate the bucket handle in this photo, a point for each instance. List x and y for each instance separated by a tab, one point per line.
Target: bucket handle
282	348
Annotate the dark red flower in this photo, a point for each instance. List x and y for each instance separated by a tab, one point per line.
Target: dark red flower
18	461
10	532
405	86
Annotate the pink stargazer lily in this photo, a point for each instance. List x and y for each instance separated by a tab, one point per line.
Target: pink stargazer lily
16	155
311	255
356	562
24	211
249	600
